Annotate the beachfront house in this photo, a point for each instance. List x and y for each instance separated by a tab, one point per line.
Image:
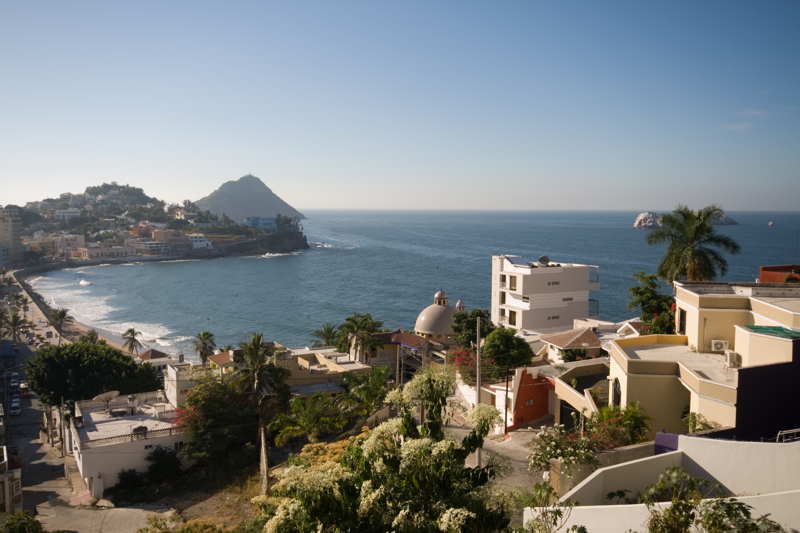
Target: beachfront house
113	434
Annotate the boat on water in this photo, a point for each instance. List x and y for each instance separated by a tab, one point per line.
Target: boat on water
771	223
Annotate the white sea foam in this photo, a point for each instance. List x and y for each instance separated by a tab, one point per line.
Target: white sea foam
321	245
135	263
270	255
84	283
180	261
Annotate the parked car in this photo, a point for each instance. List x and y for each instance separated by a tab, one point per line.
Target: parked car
15	410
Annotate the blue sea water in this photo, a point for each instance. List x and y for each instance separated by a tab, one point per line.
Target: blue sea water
385	263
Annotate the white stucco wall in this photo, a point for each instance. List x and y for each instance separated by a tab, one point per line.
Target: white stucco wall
783	507
105	462
744	467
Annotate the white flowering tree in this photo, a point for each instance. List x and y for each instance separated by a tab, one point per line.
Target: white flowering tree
402	477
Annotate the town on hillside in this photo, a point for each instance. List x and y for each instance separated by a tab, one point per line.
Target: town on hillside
533	415
112	222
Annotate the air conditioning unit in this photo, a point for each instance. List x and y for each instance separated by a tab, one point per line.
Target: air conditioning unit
719	346
733	359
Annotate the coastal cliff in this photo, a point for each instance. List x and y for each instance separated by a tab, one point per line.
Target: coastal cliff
273	243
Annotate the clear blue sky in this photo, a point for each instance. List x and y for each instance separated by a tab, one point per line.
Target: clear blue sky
340	104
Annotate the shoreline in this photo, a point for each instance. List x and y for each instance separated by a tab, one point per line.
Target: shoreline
72	330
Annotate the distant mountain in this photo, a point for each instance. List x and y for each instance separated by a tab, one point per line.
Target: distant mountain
246	197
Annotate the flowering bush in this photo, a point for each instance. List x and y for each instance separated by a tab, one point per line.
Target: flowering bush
556	442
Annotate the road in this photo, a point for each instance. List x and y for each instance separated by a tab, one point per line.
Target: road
46	492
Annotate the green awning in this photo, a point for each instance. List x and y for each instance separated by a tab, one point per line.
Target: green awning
775	331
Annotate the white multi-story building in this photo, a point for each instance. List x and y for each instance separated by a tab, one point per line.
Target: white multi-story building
542	295
199	241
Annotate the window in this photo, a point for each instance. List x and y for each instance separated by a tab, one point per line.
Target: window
502	280
526	298
566	299
512	318
681	322
502	297
553	317
529	403
553	283
502	313
148	446
512	283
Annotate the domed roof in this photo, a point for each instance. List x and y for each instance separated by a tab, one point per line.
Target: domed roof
435	320
439	294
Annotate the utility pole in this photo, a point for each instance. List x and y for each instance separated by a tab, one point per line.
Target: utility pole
478	376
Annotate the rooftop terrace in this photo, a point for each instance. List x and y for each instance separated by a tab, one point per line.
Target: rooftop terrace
124	418
709	366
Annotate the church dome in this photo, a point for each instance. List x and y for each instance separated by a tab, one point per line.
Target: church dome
435	320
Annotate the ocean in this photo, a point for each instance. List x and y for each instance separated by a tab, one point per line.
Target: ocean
388	264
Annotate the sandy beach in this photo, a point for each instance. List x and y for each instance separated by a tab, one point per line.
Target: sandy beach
71	331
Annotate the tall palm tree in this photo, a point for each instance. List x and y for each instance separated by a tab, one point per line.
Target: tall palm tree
692	244
3	321
60	319
132	343
327	335
267	384
204	345
358	331
16	326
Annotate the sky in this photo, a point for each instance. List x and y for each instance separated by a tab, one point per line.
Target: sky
407	105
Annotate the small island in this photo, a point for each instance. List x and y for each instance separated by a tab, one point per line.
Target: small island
651	219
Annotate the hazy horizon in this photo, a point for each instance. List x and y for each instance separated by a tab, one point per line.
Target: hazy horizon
358	105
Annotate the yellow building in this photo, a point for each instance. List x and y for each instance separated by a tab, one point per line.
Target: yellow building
735	360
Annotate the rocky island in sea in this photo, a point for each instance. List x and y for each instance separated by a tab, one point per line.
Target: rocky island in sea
650	219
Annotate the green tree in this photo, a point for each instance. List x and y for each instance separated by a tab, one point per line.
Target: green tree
216	435
164	465
312	416
646	296
327	335
507	351
81	371
91	337
364	393
61	318
359	330
20	523
692	244
132	343
465	326
204	345
17	326
269	390
400	477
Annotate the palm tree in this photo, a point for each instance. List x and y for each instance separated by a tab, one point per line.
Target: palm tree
358	331
204	345
60	318
91	337
267	384
313	416
3	321
326	335
691	242
16	326
365	392
131	338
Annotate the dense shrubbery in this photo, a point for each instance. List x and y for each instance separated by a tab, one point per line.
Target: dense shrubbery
610	428
82	370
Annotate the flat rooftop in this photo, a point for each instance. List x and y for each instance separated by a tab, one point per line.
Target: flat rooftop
710	366
100	424
789	304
